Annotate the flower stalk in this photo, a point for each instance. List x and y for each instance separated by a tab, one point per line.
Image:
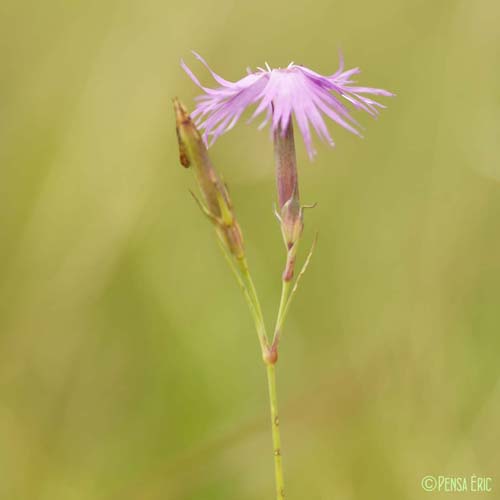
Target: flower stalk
217	206
275	426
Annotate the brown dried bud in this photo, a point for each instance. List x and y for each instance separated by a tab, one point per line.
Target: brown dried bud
217	203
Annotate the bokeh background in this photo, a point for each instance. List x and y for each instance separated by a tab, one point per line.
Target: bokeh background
129	368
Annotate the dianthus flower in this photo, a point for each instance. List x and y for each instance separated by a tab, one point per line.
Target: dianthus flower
279	93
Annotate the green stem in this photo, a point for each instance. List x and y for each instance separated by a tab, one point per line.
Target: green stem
285	292
250	292
257	310
271	373
275	425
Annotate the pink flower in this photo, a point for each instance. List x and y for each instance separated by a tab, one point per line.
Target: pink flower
279	93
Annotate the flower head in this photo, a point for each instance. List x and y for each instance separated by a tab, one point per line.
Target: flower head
279	93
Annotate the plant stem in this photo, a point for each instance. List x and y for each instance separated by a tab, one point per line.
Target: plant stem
285	292
275	425
257	310
250	292
270	369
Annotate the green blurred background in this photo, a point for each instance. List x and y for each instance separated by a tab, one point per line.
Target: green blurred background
129	367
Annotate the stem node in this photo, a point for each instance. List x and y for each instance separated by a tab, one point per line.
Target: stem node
270	355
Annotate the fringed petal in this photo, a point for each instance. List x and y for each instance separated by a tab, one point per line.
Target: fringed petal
281	93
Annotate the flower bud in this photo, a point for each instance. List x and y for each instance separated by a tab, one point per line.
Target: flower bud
228	228
217	203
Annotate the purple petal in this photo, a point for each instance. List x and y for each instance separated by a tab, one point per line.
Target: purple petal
281	93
